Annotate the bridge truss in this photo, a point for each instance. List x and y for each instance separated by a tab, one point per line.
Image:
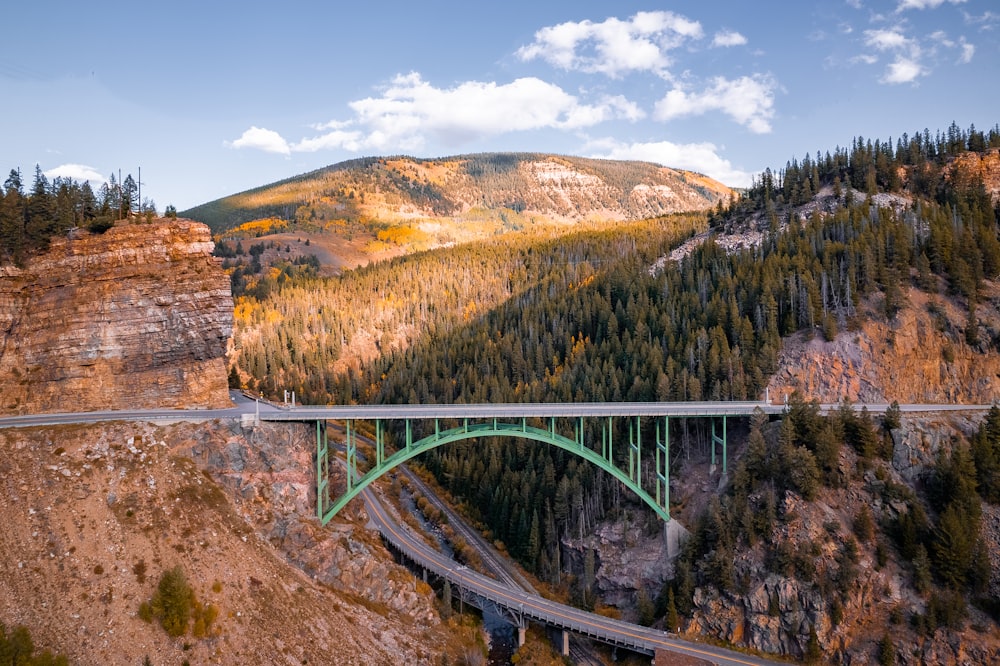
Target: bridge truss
552	427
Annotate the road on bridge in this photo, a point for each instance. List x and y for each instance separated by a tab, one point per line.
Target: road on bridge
243	406
529	605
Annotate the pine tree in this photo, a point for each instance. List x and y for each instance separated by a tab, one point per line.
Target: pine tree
886	651
671	618
813	652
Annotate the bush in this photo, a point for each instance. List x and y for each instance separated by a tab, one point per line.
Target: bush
172	603
18	648
100	224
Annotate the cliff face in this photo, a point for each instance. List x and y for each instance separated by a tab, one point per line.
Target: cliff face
922	355
133	318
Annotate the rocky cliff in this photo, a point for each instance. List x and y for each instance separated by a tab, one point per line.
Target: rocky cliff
922	355
136	317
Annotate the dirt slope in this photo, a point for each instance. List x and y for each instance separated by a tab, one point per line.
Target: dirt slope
94	515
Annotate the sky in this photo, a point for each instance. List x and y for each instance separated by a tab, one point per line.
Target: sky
212	98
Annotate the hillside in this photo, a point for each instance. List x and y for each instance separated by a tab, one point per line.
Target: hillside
93	517
505	190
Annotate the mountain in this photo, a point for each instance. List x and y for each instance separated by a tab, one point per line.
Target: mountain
469	188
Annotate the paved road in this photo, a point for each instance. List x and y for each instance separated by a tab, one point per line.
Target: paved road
243	406
553	613
581	652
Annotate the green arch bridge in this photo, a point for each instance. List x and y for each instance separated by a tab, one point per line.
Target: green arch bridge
556	424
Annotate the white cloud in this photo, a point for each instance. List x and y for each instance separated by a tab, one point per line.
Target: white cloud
78	172
887	40
410	111
902	70
613	47
701	157
747	100
352	141
905	51
865	58
924	4
968	50
262	139
728	38
410	107
987	21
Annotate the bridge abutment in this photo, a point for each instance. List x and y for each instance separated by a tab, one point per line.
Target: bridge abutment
675	535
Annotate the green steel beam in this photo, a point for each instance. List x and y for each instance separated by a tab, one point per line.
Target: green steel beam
322	469
663	465
469	430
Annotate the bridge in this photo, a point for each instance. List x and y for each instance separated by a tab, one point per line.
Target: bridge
564	425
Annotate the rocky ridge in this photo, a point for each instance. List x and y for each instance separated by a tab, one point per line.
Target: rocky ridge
775	612
136	317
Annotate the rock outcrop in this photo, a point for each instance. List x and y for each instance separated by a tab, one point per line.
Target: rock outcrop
921	356
137	317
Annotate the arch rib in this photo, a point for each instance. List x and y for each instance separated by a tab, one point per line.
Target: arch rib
471	430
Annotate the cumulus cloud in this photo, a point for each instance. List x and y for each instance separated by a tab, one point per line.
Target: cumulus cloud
78	172
411	106
906	53
887	40
728	38
924	4
902	70
701	157
748	100
410	110
613	47
262	139
968	51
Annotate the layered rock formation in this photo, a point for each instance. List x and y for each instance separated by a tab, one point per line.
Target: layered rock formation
137	317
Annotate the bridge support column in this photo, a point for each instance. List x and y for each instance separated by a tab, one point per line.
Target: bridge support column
675	536
522	632
322	470
565	643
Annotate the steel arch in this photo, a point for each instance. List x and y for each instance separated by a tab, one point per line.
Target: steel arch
471	429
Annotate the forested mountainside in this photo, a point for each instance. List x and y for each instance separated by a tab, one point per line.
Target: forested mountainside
494	187
826	245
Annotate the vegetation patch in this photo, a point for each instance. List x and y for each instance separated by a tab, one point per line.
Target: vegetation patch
176	608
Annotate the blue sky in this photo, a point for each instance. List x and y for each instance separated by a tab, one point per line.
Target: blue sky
213	98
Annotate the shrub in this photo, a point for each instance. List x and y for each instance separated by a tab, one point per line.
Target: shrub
172	603
100	224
